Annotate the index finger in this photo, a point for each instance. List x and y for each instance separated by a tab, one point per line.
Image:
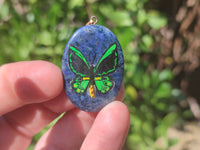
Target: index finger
28	82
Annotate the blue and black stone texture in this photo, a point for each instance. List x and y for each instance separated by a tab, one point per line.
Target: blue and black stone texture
92	41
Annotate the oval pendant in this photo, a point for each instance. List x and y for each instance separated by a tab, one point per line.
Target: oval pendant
92	67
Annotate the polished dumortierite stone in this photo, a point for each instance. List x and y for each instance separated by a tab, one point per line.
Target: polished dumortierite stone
92	67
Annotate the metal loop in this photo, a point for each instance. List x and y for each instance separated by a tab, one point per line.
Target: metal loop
93	20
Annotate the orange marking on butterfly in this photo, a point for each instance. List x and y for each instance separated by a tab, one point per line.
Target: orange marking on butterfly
86	78
91	91
97	78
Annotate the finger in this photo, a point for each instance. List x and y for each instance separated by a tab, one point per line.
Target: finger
68	133
18	127
73	126
25	83
59	104
28	120
10	139
33	117
28	82
109	129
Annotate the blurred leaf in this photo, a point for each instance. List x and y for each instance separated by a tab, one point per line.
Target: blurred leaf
31	147
131	64
117	2
64	34
146	81
167	121
133	138
155	78
59	49
166	75
163	91
24	53
30	17
120	18
44	51
173	142
131	5
147	128
32	1
125	36
160	105
75	3
54	13
156	20
4	11
131	91
146	43
141	17
138	77
187	114
46	38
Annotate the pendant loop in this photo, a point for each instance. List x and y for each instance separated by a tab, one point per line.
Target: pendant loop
93	20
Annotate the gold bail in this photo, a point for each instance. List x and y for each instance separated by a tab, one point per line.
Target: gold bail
93	20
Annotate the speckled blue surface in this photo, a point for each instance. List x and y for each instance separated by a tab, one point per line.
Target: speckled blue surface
92	40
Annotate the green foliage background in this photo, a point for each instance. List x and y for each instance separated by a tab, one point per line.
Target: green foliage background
34	29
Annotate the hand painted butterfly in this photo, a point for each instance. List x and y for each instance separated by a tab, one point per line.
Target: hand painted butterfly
94	77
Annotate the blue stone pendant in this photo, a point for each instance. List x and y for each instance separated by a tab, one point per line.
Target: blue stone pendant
92	67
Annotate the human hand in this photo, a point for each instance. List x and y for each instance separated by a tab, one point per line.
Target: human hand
32	95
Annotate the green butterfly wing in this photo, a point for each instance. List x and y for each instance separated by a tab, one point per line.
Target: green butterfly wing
104	84
108	62
77	62
106	65
79	65
80	84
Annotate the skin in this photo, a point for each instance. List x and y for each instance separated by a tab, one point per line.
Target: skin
32	95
